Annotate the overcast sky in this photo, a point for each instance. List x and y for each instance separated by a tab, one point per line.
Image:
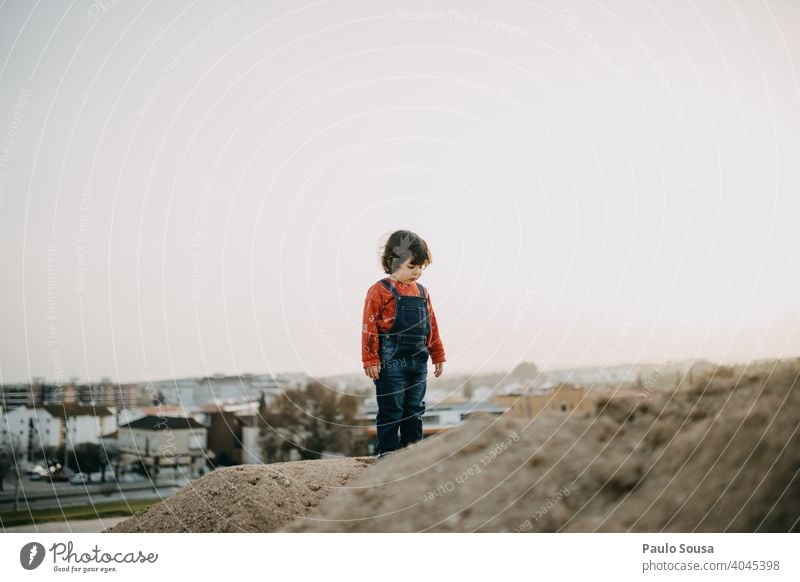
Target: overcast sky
190	188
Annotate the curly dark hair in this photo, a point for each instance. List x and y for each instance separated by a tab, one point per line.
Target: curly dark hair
402	244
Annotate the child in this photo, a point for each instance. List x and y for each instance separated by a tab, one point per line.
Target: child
399	333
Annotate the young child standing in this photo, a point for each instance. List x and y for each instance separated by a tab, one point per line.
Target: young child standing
399	334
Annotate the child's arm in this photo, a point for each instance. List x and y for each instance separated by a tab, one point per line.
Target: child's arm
435	345
369	329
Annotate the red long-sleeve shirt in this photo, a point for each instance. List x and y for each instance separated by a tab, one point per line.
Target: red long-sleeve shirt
379	311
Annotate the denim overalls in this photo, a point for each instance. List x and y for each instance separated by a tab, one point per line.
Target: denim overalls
400	387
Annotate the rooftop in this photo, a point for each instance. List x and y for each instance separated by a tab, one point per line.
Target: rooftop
162	422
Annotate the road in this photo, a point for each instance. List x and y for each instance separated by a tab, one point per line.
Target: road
42	495
76	526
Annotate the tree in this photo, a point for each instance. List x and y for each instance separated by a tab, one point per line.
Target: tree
109	456
277	421
469	389
525	371
49	455
223	459
158	399
6	463
9	468
330	418
87	458
312	420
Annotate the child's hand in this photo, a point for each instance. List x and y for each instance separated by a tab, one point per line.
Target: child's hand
438	369
373	371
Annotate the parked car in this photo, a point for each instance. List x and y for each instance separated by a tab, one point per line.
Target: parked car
62	475
130	478
36	473
58	477
79	479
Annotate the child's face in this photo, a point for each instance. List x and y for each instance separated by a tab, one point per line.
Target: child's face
408	273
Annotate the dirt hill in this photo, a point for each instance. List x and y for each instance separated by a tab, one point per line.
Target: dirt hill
720	455
247	498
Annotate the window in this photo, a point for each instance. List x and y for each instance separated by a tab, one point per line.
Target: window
196	441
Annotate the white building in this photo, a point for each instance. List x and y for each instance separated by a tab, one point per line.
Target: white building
219	389
163	441
185	392
437	418
32	428
251	448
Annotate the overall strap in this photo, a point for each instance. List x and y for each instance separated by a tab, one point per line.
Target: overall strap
391	288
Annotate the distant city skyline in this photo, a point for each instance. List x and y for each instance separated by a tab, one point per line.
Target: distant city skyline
202	189
484	372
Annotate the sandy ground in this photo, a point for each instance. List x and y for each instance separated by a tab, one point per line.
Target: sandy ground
248	498
722	455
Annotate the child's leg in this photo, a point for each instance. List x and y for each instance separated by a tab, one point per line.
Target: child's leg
414	402
389	390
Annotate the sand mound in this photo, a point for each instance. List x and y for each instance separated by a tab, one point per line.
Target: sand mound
721	455
247	498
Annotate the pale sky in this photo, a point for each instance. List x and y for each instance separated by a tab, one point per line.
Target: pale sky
191	188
